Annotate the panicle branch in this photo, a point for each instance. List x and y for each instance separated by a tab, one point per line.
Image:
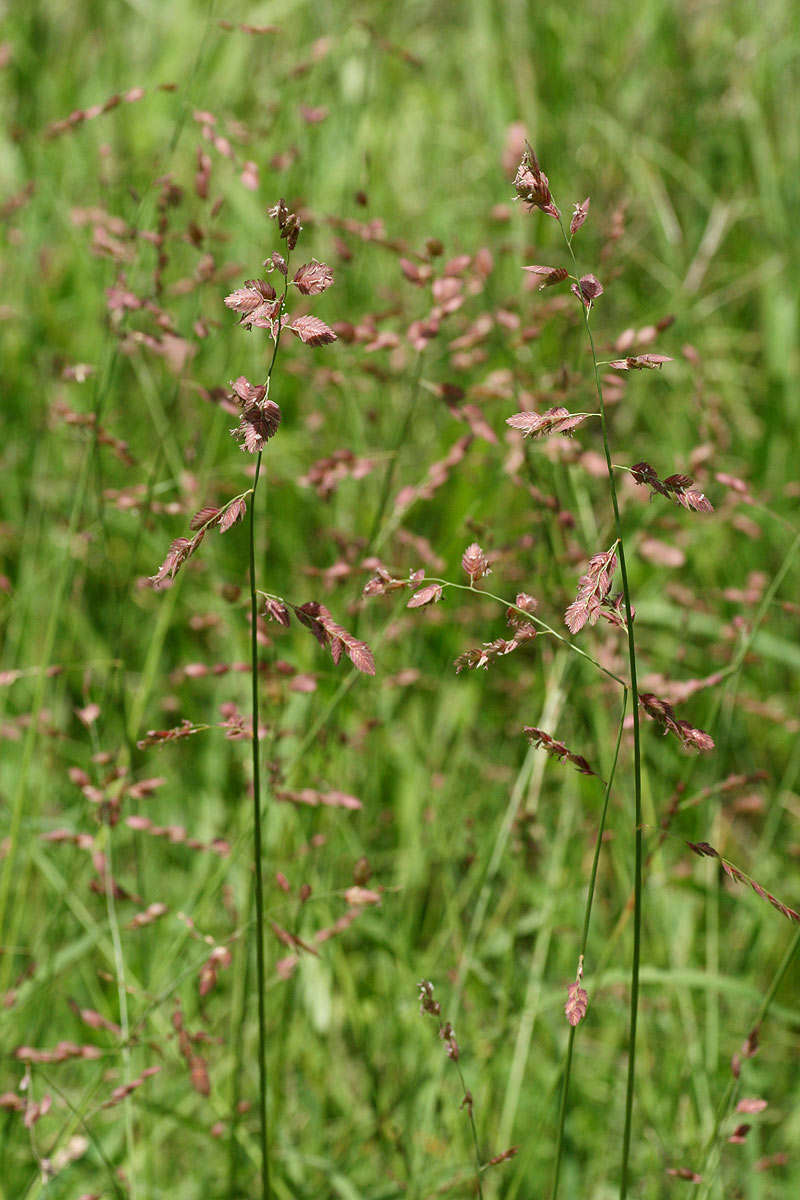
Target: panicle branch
593	590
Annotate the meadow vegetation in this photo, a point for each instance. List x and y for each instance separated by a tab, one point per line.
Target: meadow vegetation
503	561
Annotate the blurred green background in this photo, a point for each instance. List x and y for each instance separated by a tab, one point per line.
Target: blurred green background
683	121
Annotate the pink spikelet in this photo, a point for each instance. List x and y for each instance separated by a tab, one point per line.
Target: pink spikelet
260	417
674	487
318	619
181	549
532	185
587	289
256	302
555	420
311	330
704	850
577	998
312	278
430	594
578	217
538	737
475	563
593	587
548	275
640	362
662	712
289	225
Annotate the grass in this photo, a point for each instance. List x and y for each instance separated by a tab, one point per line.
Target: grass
481	846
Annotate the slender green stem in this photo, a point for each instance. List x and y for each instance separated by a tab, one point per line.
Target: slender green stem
257	852
474	1128
257	829
562	1116
637	757
239	1014
122	996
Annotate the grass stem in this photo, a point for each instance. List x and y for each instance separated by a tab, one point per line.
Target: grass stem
562	1116
637	755
257	828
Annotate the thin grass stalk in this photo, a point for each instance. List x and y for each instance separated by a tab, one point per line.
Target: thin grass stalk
257	865
257	828
238	1020
637	756
474	1128
587	916
122	996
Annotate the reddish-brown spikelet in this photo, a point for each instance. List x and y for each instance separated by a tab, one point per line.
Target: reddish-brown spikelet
312	278
276	262
587	290
318	619
640	362
674	487
311	330
474	563
511	1152
256	301
430	594
538	737
749	1049
539	425
257	424
155	737
276	610
532	185
205	516
593	588
579	215
704	850
577	1002
473	659
548	275
233	512
181	549
663	714
207	980
289	226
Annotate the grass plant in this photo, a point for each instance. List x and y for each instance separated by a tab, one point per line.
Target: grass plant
230	852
